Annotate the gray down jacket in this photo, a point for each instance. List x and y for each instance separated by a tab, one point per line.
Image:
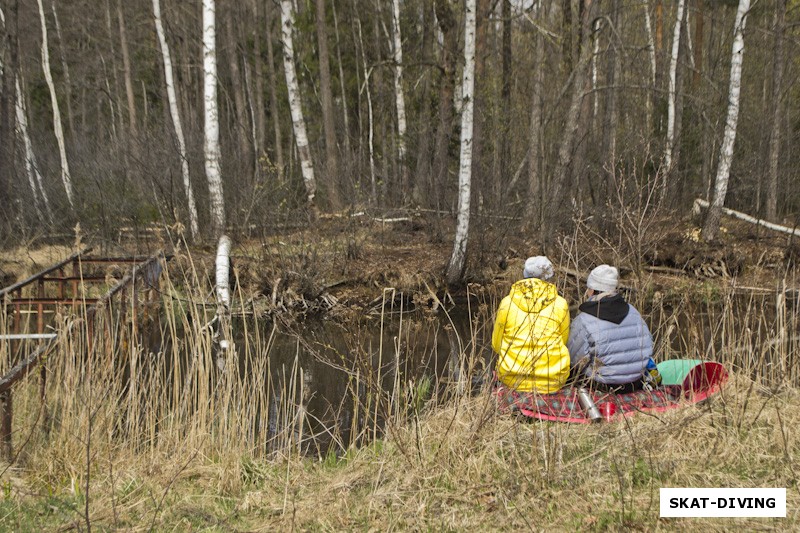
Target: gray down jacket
613	335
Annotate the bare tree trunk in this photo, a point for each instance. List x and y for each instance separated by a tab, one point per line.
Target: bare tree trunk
371	145
598	25
65	69
447	24
777	112
273	99
260	119
345	118
711	226
651	48
57	127
659	45
295	105
612	110
566	35
176	118
326	94
400	102
505	95
673	70
480	178
211	119
698	43
561	173
31	166
126	67
114	101
423	165
10	61
455	268
237	87
536	186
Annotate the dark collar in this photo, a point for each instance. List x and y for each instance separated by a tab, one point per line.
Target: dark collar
611	308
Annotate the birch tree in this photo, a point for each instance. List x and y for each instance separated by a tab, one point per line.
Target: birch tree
295	106
65	70
400	102
176	117
211	118
57	126
651	51
31	165
673	70
711	226
455	269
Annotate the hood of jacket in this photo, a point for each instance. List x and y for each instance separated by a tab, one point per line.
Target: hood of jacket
532	295
611	308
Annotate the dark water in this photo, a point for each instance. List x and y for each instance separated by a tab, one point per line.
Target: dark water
348	377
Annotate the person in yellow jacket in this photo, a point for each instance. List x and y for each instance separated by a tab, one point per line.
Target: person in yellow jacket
531	331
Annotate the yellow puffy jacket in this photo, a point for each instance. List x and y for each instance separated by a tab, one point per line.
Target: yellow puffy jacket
530	335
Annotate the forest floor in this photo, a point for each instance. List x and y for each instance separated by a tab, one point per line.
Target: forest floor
456	465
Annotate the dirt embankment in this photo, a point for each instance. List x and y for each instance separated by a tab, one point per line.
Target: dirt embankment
351	260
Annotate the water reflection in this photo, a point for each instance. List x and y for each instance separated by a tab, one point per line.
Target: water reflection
334	384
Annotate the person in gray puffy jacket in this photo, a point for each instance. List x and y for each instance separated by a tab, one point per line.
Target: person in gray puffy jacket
609	343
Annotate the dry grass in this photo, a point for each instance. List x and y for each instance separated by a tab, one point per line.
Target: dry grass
461	467
182	446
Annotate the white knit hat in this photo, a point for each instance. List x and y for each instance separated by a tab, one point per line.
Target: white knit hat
538	267
603	278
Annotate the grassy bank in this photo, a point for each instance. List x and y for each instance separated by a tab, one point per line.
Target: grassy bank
458	466
174	439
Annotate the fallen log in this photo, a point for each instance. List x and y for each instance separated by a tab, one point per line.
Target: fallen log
702	204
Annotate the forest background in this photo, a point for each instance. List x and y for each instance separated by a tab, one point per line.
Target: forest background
580	108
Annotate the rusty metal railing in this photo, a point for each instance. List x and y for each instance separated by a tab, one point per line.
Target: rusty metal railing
148	267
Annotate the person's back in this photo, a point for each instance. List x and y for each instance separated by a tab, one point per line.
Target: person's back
529	335
609	339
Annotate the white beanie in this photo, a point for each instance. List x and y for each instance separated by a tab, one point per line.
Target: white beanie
603	278
538	267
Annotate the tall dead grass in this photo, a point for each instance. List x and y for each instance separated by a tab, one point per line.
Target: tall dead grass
194	436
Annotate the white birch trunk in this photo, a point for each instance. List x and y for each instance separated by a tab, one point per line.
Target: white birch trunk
222	270
651	42
595	53
455	269
176	117
295	105
57	127
211	118
673	75
711	226
398	86
651	50
65	68
31	166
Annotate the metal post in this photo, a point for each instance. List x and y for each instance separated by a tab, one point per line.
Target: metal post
40	309
75	273
17	319
5	426
61	285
